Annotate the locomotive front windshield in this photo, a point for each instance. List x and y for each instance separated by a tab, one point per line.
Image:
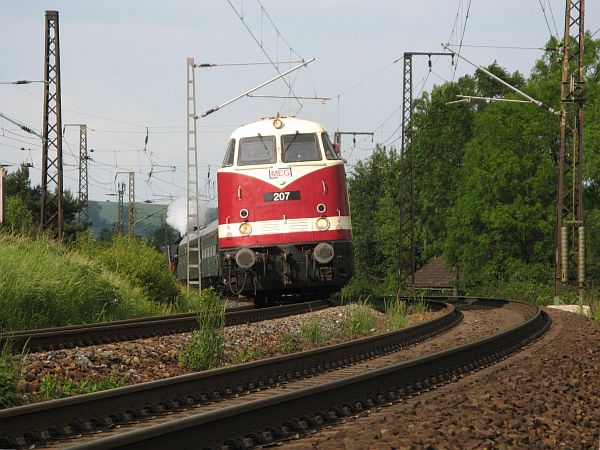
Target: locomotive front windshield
330	153
300	147
257	150
228	160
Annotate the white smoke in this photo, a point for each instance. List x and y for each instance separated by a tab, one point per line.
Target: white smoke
177	215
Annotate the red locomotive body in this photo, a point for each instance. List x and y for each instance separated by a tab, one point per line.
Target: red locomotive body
284	219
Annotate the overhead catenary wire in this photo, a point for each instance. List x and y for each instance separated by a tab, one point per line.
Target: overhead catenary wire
244	94
462	37
253	63
508	47
22	82
241	17
29	141
551	16
504	83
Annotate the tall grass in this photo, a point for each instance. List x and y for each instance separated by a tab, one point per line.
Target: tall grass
418	305
360	321
396	311
43	284
206	347
10	368
52	388
139	263
313	331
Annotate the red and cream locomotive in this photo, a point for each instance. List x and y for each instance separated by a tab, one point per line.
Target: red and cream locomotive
284	224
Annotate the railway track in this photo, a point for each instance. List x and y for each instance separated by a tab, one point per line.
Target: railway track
187	411
124	330
43	423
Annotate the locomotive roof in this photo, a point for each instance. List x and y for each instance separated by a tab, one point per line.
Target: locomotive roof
266	127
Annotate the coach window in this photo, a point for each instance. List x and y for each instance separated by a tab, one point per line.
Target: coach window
330	153
257	150
300	147
228	160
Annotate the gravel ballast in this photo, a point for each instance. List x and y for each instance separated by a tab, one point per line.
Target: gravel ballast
546	396
155	358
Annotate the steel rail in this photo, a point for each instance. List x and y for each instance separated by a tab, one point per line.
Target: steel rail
267	420
123	330
23	426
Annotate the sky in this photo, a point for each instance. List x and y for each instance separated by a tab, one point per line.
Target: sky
123	73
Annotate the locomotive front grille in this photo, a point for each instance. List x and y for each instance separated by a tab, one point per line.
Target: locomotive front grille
281	226
270	227
295	225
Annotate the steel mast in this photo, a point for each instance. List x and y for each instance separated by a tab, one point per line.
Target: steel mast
193	208
570	236
52	212
131	205
407	256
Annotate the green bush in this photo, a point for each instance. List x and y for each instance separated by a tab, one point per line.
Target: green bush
142	265
361	287
360	321
206	347
18	216
313	331
43	284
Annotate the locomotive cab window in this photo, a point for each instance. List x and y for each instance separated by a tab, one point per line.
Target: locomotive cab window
257	150
300	147
330	153
228	160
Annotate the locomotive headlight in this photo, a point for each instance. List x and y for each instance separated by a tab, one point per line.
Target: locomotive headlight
245	229
322	223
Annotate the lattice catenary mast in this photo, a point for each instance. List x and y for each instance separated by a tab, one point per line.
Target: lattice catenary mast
84	213
82	192
407	255
120	210
570	237
52	213
131	205
194	273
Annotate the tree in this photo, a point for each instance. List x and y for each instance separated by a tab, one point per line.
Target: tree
18	215
441	133
162	236
373	188
18	187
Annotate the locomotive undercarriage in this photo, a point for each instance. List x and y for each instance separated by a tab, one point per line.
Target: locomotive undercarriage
287	270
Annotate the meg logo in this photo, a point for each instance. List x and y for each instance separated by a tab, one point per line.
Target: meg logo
280	172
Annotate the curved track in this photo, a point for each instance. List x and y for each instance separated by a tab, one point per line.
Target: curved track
41	423
123	330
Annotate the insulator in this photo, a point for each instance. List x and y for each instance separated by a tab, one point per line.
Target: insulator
564	250
581	256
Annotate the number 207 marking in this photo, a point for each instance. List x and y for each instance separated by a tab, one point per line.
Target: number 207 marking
281	196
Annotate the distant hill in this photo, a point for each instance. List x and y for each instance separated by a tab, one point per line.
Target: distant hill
149	216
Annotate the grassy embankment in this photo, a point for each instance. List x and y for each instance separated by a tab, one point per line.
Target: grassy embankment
44	284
